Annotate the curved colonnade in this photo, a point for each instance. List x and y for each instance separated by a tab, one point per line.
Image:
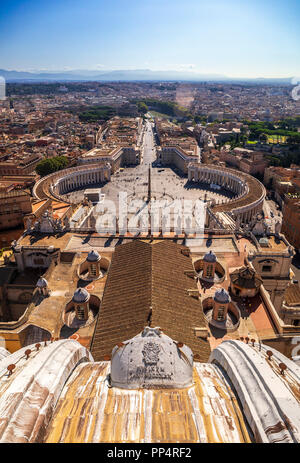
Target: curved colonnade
250	193
64	181
248	200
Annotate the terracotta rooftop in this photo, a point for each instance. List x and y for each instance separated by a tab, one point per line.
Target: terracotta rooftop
292	295
147	285
42	239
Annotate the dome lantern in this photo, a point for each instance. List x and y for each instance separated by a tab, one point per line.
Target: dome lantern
93	256
42	283
209	266
221	303
80	295
93	262
42	286
81	303
210	257
222	296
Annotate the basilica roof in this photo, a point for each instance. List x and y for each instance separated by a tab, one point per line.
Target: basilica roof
3	353
57	393
91	411
148	284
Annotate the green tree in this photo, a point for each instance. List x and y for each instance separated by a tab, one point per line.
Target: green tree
47	166
142	107
293	139
263	138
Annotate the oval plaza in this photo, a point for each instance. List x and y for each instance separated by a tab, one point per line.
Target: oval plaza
247	193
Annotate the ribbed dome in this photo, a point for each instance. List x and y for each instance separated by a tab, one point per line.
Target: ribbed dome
222	296
150	360
81	295
93	256
210	257
245	277
247	273
42	283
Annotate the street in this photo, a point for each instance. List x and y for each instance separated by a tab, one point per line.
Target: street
149	152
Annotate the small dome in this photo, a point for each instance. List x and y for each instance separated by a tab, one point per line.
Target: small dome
247	273
222	296
93	256
245	277
210	257
81	295
42	283
151	360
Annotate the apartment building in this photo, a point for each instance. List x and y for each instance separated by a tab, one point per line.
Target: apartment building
20	164
248	161
13	206
291	219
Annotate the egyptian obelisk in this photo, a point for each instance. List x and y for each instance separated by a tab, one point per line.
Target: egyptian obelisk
149	185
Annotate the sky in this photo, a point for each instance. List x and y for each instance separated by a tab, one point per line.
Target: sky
236	38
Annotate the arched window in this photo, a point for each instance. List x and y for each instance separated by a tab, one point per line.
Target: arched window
209	270
93	270
80	312
221	312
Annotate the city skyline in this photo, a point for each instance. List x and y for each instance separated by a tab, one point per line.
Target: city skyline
239	39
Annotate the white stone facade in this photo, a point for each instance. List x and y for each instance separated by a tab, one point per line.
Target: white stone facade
151	359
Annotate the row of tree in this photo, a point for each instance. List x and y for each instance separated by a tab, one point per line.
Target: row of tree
260	130
96	113
292	157
165	107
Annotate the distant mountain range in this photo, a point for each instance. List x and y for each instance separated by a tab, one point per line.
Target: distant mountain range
128	75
